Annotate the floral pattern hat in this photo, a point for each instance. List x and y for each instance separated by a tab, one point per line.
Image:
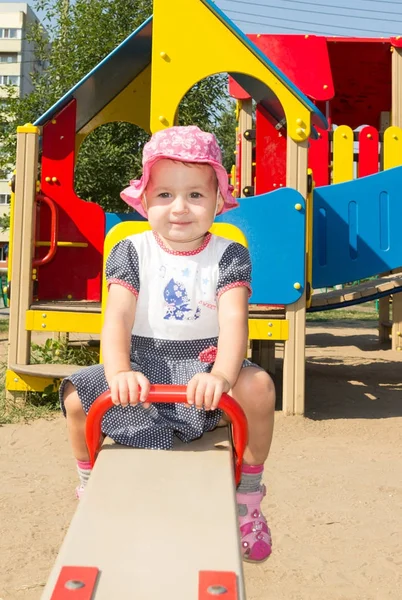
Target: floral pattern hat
185	144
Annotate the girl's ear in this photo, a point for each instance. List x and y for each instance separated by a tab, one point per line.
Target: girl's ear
219	203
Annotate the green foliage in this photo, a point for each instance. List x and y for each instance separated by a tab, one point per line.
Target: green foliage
61	352
5	222
74	38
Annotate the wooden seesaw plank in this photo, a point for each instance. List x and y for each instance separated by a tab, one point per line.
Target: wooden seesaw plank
152	520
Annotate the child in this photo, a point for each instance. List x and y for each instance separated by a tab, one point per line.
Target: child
177	313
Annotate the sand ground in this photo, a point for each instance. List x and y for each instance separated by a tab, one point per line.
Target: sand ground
334	481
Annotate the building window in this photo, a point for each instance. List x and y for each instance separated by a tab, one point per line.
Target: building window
3	252
9	80
10	33
5	198
8	58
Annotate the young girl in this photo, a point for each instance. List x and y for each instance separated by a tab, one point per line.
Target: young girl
177	313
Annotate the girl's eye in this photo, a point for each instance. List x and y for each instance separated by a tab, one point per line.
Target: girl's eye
164	195
195	195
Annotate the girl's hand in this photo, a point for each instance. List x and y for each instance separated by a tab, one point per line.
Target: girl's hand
129	387
205	390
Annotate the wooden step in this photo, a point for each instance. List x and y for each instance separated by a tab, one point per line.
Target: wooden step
45	370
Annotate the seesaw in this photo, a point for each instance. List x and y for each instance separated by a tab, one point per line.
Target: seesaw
155	524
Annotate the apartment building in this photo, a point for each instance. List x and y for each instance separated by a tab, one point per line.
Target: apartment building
16	63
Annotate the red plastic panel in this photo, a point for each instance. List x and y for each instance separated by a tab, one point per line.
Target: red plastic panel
73	272
319	159
68	584
270	154
368	152
303	58
214	584
361	73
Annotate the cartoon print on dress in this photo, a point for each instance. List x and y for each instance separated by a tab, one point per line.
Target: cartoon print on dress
177	303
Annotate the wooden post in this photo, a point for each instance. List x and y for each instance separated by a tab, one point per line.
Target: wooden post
294	354
396	120
23	239
245	123
397	322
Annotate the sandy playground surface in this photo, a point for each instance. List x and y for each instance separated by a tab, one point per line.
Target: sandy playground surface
335	488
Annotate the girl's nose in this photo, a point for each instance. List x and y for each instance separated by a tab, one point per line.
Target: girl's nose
180	204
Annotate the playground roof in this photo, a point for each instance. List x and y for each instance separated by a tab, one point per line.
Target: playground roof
105	81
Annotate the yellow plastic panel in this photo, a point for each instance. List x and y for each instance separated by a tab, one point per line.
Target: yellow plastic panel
131	105
392	147
190	42
71	322
268	329
15	382
342	154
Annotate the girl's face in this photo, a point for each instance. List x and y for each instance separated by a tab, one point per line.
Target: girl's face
181	202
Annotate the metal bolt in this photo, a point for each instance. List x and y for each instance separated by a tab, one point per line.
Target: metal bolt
74	584
163	55
54	179
217	590
43	325
298	206
297	285
269	333
270	324
44	316
16	379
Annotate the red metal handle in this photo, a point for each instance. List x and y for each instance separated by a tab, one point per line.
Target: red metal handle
169	393
37	262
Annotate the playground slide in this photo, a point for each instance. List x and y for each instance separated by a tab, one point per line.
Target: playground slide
356	235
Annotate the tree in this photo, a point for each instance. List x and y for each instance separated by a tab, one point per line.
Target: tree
73	38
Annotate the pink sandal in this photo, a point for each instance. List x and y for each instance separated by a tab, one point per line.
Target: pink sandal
256	542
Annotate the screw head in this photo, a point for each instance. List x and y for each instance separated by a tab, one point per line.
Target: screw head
74	584
298	206
297	285
217	590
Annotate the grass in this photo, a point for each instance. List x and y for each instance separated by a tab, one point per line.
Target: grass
343	314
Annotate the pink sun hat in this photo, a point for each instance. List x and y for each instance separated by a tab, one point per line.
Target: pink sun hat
184	144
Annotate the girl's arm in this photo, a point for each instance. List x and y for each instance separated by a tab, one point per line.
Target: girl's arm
233	333
116	331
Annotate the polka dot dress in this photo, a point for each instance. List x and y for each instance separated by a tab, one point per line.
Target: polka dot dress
163	360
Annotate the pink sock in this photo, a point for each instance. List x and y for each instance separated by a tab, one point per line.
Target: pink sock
84	471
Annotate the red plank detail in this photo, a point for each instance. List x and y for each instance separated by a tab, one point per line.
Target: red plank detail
217	584
318	158
75	583
270	154
368	152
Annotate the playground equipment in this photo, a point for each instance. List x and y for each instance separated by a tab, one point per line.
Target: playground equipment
152	70
355	222
166	527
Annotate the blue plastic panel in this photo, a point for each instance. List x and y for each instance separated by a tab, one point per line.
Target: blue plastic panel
277	251
113	219
275	233
357	228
